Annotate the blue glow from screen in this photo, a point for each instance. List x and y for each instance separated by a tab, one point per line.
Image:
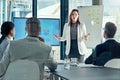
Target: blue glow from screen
49	27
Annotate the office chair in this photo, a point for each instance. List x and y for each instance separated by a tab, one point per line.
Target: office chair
113	63
22	70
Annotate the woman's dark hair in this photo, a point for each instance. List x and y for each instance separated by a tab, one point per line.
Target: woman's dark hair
78	20
5	29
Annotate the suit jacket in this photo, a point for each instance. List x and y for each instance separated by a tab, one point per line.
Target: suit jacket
30	48
80	33
104	52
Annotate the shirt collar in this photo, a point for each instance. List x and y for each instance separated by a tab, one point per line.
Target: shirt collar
32	38
10	39
109	39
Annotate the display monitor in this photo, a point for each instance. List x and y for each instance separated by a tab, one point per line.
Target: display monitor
49	27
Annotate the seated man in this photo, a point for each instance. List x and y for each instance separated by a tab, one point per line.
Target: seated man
30	48
108	50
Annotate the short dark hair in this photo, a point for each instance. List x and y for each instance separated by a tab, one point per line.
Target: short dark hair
110	29
6	28
32	24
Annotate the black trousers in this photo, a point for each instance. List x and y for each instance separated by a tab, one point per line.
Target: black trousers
74	52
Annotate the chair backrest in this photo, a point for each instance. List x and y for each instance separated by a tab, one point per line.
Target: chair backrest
22	70
113	63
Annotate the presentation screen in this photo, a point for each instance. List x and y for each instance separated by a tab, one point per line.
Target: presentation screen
49	27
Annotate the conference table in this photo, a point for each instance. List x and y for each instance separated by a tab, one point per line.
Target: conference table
85	72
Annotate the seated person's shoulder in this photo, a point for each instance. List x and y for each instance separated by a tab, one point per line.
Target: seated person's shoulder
17	41
45	45
103	58
100	45
41	39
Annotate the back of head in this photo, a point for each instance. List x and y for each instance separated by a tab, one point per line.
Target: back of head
5	29
110	29
33	26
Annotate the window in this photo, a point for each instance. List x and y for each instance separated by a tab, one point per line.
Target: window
76	3
112	13
21	8
48	8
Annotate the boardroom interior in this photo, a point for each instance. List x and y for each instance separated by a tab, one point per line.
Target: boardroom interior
53	14
57	11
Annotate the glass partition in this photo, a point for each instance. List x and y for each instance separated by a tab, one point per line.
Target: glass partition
76	3
112	13
21	8
48	8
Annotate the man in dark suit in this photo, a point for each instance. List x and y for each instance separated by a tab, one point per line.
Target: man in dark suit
108	50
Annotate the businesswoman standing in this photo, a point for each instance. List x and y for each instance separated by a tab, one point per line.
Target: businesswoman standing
7	31
74	34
